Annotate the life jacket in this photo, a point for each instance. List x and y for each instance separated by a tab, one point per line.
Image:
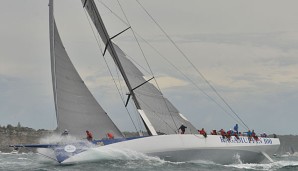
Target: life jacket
202	132
110	135
222	132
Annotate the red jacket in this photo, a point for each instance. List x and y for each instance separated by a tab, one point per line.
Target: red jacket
202	132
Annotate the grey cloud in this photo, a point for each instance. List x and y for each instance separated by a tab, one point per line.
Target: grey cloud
283	60
279	40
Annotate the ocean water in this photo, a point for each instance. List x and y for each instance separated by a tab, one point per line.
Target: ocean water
37	162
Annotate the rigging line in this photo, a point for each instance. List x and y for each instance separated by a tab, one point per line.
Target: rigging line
113	13
100	47
114	53
135	62
109	68
117	63
212	99
123	99
185	76
94	34
109	42
135	38
192	64
119	82
167	61
153	49
145	58
126	29
124	22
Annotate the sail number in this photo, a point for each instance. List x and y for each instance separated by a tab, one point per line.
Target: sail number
246	140
267	141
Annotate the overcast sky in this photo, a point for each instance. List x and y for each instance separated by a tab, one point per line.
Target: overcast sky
246	49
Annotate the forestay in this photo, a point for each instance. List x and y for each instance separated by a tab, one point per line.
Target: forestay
76	108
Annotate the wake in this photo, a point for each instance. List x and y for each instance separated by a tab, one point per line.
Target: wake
101	154
270	166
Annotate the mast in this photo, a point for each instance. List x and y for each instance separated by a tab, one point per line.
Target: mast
98	22
52	52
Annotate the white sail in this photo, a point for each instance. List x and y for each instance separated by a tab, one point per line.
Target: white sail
76	108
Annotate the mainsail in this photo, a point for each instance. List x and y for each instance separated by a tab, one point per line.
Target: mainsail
158	114
76	108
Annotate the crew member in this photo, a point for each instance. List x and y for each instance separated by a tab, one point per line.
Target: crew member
229	134
110	135
222	133
65	133
254	135
248	135
182	128
213	132
236	128
89	136
203	132
264	135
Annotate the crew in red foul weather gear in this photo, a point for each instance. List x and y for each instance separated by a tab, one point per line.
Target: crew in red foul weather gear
203	132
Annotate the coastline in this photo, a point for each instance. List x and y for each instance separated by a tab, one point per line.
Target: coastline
23	135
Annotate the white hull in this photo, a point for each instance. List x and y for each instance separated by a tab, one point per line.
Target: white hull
191	147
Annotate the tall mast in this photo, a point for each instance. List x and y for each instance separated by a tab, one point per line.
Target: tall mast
53	59
97	20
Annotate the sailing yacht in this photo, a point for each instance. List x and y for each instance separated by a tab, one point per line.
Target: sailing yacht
77	111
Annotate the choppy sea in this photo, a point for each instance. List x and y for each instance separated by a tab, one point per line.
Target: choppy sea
37	162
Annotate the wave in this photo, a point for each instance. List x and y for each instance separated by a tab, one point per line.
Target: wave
55	138
111	159
99	154
270	166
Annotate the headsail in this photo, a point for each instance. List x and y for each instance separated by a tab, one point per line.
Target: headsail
76	108
158	113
